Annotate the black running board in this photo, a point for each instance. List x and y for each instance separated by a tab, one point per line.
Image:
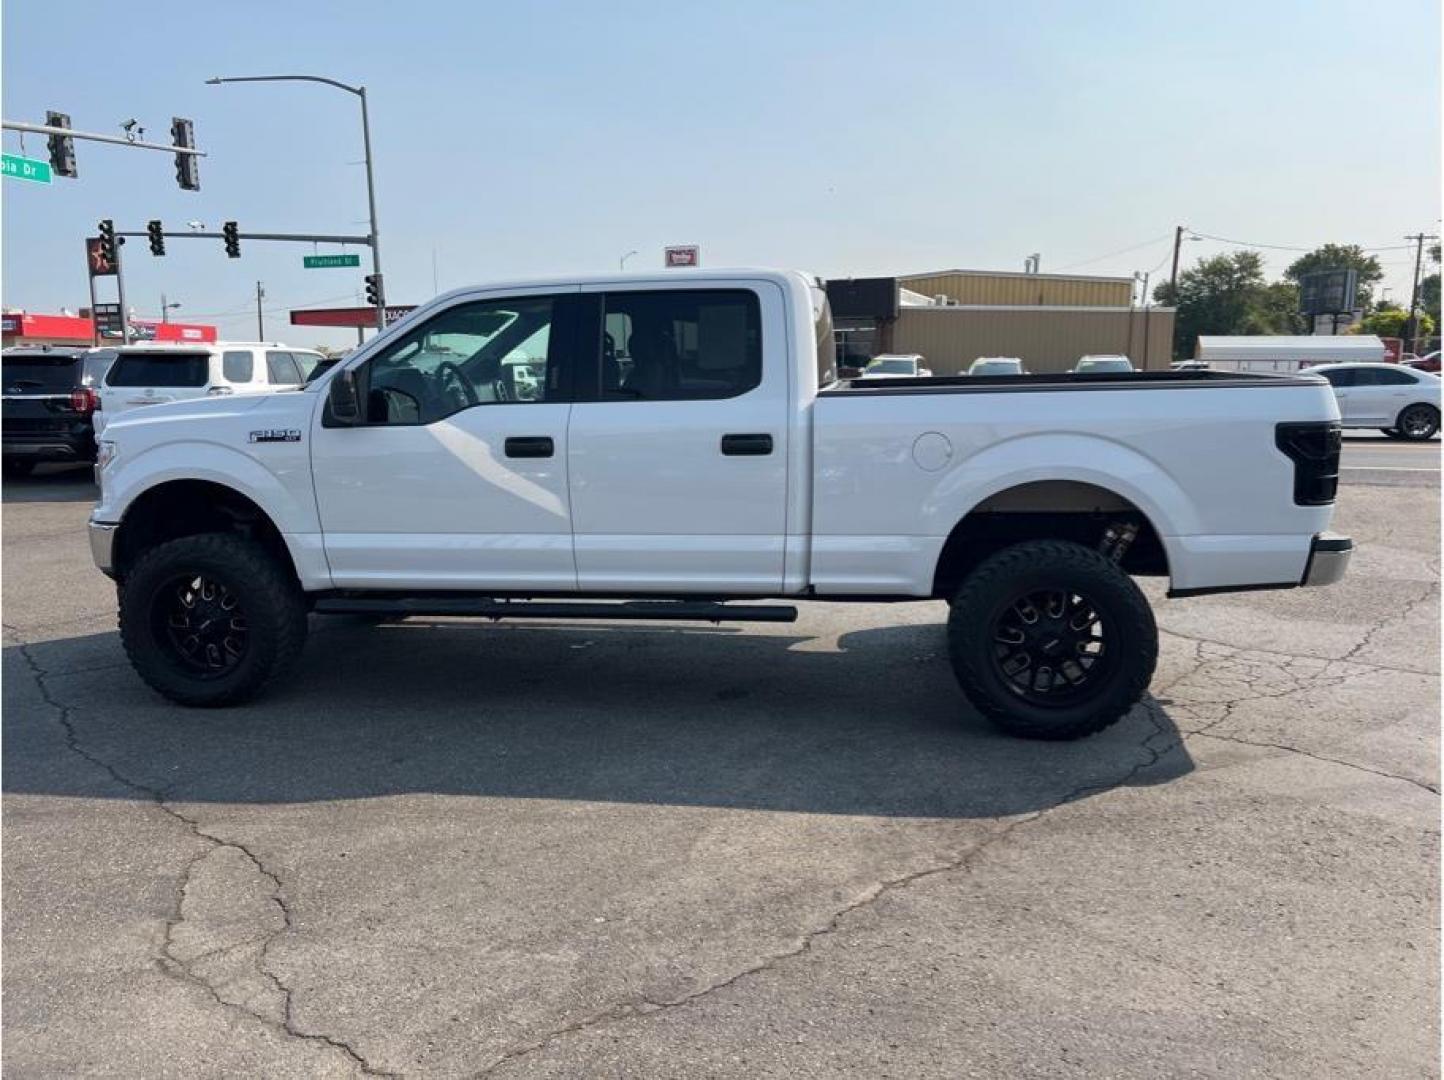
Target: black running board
488	608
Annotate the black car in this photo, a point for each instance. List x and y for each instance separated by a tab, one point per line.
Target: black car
50	395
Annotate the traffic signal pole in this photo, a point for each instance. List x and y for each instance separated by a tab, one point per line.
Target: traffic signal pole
120	293
373	237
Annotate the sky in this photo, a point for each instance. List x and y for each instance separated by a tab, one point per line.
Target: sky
842	138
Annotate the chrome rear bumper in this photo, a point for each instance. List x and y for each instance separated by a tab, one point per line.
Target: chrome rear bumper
1328	559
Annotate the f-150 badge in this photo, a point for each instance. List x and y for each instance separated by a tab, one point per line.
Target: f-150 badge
277	435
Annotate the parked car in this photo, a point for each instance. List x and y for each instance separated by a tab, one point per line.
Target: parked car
1098	363
1399	401
725	465
1427	362
158	373
49	404
896	366
997	365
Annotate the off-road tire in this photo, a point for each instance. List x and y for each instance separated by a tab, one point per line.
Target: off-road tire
992	588
270	597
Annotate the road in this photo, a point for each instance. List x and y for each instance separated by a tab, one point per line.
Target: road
1372	458
458	849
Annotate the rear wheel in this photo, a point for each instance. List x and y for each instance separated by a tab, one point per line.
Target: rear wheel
1051	640
16	468
210	619
1418	422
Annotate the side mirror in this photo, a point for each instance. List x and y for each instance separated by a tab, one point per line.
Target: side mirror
344	400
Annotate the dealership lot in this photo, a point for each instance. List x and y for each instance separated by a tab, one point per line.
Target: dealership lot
449	848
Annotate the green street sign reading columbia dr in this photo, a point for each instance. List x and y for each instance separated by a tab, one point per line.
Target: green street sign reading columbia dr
24	168
325	262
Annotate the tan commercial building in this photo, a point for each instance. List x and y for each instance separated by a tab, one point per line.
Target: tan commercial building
952	317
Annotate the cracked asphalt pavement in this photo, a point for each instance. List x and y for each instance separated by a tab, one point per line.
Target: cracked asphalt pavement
454	849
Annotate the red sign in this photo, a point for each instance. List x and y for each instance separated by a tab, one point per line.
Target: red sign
348	316
70	328
686	255
95	258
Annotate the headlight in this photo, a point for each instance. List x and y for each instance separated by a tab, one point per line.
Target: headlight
104	453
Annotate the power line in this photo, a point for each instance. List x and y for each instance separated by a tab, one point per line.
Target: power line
1287	247
1111	254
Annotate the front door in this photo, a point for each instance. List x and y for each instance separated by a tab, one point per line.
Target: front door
678	462
457	477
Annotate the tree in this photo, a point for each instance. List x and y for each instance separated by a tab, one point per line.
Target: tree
1392	321
1341	257
1227	294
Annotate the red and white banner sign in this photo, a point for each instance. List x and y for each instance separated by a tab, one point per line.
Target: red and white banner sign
684	255
364	317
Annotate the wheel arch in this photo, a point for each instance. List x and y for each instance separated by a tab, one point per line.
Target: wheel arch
1054	509
188	506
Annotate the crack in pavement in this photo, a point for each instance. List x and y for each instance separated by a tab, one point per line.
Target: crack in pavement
168	962
833	923
1317	757
1381	624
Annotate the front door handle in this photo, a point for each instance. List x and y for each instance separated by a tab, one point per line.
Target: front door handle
746	445
529	446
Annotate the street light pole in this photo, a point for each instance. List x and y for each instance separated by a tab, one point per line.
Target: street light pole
373	235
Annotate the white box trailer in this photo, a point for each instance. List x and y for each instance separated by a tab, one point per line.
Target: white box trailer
1282	354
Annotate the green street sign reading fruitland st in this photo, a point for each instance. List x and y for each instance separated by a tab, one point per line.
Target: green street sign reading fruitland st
24	168
325	262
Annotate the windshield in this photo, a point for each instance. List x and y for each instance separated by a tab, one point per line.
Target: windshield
996	367
160	369
1118	364
891	367
42	373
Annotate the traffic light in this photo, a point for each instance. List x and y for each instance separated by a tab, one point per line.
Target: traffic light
232	232
62	147
374	295
107	240
187	166
156	233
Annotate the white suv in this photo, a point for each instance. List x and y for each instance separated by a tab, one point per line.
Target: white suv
152	374
1401	402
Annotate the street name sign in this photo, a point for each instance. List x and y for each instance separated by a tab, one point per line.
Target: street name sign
24	168
326	262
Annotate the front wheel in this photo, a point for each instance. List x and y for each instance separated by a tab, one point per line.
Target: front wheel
1418	423
210	619
1051	640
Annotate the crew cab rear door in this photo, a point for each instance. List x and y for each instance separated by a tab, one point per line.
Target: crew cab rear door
457	477
678	441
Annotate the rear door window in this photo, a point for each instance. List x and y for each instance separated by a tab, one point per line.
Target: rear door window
51	373
238	365
160	369
1340	376
282	369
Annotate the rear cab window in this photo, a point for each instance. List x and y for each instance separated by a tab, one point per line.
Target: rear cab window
178	369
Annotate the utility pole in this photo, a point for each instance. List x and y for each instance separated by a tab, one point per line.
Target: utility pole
260	318
1173	274
1411	327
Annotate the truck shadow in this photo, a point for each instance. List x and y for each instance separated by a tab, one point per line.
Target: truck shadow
869	723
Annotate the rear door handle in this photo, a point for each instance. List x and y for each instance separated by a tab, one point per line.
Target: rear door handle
746	445
529	446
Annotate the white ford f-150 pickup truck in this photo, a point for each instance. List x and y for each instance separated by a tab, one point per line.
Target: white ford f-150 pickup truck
673	446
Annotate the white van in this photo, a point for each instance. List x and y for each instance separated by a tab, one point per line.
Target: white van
156	373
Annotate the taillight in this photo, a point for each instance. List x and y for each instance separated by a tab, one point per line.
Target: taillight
84	400
1314	449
